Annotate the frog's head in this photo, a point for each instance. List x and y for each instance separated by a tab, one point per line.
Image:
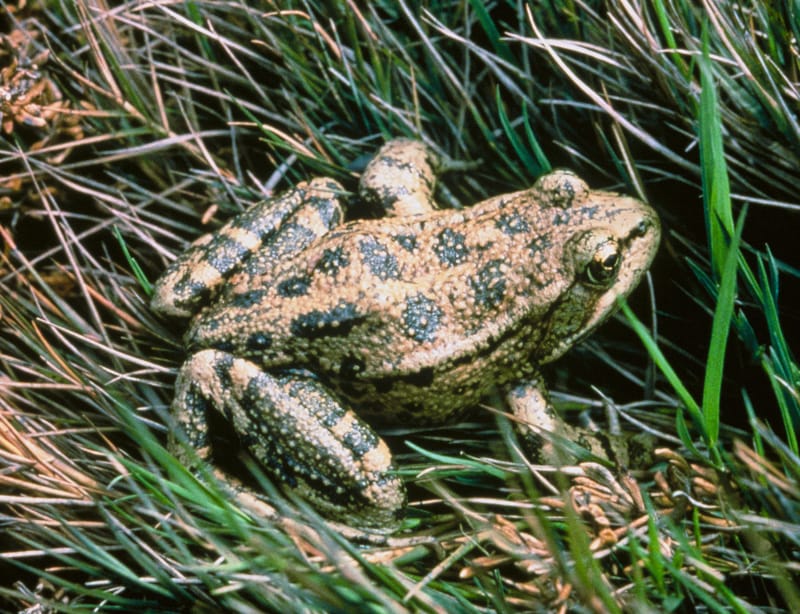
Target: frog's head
607	243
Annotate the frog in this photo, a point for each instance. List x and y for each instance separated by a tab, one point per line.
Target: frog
306	330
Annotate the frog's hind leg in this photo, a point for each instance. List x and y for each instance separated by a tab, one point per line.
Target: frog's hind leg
297	431
273	228
400	179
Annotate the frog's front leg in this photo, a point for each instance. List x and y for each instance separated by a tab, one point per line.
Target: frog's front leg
297	431
271	229
545	435
400	179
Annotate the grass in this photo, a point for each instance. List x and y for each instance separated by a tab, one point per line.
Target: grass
145	125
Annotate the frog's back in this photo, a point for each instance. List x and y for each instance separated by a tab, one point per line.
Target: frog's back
382	298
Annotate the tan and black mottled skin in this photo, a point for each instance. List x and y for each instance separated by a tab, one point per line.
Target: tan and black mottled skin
301	323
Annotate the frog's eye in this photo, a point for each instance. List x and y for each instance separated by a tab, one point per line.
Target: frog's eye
603	265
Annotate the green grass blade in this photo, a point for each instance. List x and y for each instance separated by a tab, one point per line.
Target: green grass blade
720	329
716	187
458	461
524	158
661	362
694	410
137	271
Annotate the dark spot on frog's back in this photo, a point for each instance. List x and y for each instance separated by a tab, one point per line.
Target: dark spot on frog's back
422	318
332	261
336	322
511	224
407	242
245	300
450	247
294	286
489	285
379	260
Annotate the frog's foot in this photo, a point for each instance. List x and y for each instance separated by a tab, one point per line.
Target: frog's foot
400	179
273	229
297	431
547	438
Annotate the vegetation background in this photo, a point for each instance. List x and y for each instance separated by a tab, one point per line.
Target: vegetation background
130	128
